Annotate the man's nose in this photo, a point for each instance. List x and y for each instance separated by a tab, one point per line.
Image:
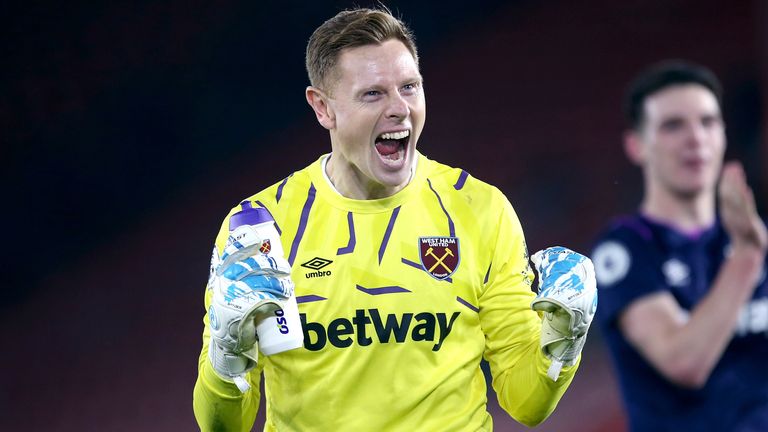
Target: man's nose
397	107
697	134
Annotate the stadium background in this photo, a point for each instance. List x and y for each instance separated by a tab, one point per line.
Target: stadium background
130	128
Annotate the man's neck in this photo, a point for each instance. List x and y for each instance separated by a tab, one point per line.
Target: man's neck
685	213
350	183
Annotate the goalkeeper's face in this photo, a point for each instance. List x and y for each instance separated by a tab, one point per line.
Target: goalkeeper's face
377	108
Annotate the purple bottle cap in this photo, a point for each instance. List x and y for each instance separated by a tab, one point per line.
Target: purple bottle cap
249	216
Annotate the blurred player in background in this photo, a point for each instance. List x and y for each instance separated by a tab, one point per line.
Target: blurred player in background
683	292
407	272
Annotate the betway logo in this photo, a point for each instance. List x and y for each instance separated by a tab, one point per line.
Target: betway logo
367	324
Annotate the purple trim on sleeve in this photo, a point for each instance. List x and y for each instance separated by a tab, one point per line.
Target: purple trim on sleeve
302	223
462	179
488	273
383	290
277	227
388	232
352	241
249	216
309	298
279	193
451	228
467	304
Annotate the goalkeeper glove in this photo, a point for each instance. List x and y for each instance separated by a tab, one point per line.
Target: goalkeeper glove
568	298
248	286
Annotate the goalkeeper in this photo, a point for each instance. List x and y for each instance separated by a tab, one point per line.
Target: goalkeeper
407	273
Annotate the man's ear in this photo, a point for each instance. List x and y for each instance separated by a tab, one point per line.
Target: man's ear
634	147
319	103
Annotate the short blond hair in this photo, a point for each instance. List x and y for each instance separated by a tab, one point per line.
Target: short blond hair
349	29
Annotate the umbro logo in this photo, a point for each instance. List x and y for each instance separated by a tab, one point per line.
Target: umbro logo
316	264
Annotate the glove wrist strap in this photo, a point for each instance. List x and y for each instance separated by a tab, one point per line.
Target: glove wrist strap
229	366
554	370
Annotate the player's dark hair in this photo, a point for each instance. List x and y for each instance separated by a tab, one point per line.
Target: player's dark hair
661	76
349	29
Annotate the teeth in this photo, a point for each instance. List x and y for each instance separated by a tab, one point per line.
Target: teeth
395	135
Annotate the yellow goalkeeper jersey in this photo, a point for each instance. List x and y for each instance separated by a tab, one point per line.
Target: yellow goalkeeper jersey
400	298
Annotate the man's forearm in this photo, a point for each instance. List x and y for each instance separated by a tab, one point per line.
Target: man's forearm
526	392
702	340
219	405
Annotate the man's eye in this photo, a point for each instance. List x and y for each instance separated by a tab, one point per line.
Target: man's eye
410	89
372	93
710	121
672	125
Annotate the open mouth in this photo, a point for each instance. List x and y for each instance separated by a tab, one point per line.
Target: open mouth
392	145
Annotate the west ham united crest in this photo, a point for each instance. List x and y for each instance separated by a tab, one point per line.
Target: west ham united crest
266	246
439	255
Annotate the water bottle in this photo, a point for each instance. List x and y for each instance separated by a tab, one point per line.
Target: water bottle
281	330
